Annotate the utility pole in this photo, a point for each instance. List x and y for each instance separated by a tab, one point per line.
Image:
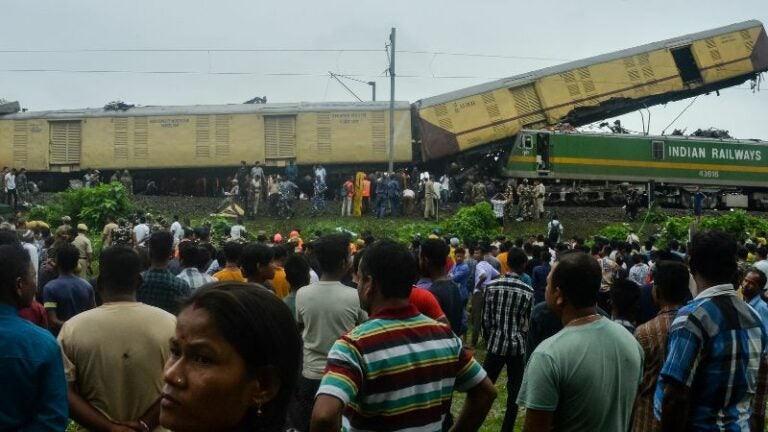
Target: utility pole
392	101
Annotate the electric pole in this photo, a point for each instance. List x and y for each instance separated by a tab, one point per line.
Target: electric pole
392	101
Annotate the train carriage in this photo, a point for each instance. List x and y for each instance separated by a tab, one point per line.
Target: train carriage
592	89
205	136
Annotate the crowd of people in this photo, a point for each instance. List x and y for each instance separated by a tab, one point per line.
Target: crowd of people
331	332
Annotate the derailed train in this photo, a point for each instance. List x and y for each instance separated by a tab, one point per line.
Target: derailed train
167	141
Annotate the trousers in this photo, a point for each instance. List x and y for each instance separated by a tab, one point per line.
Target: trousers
515	367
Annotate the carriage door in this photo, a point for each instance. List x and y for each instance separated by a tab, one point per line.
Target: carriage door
543	165
279	139
65	143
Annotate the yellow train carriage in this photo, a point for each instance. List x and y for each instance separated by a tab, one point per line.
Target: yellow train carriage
204	136
584	91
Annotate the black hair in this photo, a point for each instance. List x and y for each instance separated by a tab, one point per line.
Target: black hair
260	327
742	253
637	258
8	237
332	252
435	251
194	255
281	252
160	245
255	254
391	267
516	258
14	264
624	297
713	256
66	257
232	251
119	268
297	271
763	278
578	276
762	251
671	281
459	250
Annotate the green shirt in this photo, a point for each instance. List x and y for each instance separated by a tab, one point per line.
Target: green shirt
588	375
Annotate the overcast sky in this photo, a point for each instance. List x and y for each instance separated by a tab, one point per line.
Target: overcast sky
303	40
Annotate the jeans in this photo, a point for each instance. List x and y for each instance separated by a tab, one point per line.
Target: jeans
515	367
381	206
346	206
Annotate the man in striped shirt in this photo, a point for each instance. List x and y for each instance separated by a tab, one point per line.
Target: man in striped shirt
508	302
398	370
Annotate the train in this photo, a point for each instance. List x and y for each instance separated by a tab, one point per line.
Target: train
172	142
594	167
591	89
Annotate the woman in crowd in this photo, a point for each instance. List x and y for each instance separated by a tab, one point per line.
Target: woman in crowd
234	361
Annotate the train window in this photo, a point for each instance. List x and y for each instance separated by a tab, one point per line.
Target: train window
527	142
657	150
686	64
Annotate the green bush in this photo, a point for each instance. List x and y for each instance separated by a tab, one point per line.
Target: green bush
87	205
473	222
618	231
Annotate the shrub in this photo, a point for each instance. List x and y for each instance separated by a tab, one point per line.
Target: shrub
618	231
88	205
472	222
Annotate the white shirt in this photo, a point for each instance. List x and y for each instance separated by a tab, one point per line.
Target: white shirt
10	181
482	268
142	233
436	187
446	182
177	231
320	171
236	231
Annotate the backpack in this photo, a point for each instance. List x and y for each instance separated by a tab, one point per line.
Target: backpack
554	231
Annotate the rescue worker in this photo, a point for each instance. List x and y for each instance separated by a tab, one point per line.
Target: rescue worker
539	193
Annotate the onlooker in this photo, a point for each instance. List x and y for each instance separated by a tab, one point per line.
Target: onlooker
539	277
752	292
761	261
10	189
585	377
34	394
238	230
231	271
639	271
257	264
114	354
670	289
194	260
297	275
624	297
507	309
177	231
106	233
234	361
279	281
84	248
716	349
484	274
378	370
348	192
160	288
324	311
68	294
141	232
432	256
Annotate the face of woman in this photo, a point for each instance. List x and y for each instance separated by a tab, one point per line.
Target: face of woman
206	383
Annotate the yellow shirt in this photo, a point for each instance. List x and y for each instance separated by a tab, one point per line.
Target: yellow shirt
280	283
502	257
230	274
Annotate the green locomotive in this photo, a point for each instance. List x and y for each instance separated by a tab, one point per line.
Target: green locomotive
586	167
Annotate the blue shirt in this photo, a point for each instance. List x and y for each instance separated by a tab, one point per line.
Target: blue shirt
714	348
460	275
33	395
69	295
539	282
526	279
759	305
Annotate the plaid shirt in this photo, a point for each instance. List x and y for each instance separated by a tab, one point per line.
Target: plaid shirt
162	289
716	348
506	313
194	278
652	336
